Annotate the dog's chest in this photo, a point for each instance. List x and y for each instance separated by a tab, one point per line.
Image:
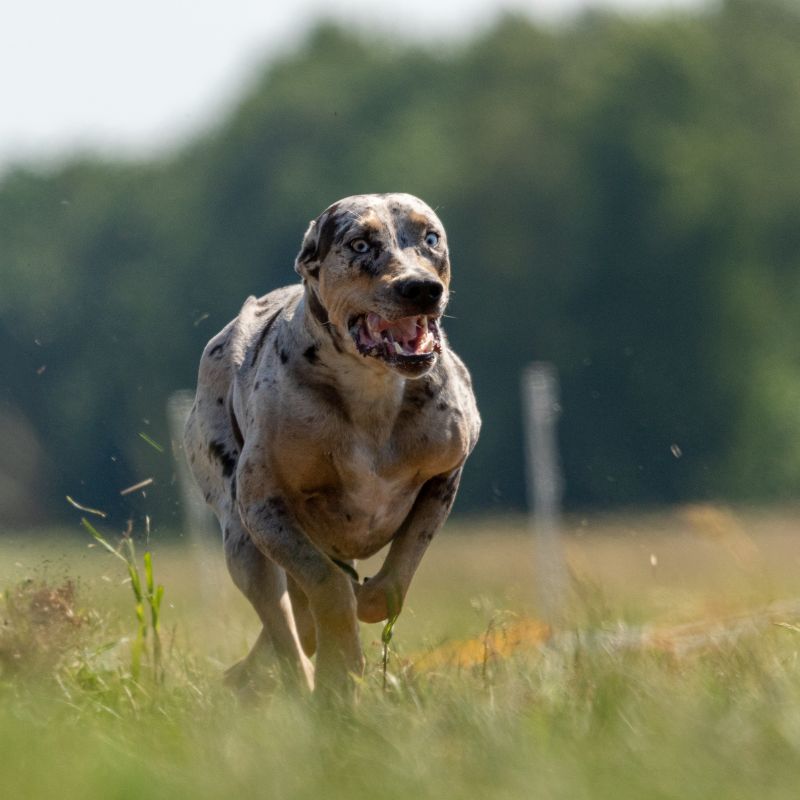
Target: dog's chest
361	506
372	485
352	486
352	505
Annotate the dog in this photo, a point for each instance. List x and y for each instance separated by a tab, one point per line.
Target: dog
331	419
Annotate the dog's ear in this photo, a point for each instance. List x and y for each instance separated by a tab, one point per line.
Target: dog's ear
317	243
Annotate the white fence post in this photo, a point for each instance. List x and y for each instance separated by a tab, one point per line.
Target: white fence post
541	409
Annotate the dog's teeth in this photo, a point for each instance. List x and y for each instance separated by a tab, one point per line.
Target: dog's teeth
397	348
374	323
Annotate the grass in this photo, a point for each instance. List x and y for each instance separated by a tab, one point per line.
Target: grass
578	718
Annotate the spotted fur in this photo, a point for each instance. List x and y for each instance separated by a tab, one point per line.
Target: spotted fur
313	455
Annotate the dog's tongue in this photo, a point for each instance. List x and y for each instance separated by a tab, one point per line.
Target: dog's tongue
404	329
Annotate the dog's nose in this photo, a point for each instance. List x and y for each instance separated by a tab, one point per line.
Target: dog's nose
420	291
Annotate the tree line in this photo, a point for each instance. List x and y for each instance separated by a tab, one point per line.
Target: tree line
622	199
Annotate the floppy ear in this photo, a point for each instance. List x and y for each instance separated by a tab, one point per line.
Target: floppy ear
316	243
305	260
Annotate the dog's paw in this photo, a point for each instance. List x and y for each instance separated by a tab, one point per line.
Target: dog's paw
378	599
249	679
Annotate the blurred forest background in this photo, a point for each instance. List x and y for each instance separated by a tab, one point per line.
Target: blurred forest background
622	198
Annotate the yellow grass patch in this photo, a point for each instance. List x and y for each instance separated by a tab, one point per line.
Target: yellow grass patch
497	642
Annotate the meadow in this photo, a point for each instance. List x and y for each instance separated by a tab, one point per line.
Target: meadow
672	673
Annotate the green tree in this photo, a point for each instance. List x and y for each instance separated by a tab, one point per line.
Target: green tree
622	197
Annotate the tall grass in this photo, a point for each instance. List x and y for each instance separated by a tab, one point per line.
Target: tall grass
143	592
575	718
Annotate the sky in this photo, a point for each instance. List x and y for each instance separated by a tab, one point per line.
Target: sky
133	79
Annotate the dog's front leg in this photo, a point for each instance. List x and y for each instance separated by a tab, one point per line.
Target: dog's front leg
382	596
328	589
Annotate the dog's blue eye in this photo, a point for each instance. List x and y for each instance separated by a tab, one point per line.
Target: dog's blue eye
359	245
432	239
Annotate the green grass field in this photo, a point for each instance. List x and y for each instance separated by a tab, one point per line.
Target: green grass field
579	717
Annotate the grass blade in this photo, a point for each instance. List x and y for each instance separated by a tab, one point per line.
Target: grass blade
95	511
98	537
136	486
154	444
136	582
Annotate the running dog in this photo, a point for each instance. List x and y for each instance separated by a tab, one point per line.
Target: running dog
331	419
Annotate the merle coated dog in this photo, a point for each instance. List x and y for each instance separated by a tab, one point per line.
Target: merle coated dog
331	419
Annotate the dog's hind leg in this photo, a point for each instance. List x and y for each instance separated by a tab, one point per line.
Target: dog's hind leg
263	583
303	617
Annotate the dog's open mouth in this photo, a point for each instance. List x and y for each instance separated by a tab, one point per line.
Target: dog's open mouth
400	341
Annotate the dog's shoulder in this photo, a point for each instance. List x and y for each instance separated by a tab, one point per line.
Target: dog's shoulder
461	395
461	391
236	349
258	321
443	401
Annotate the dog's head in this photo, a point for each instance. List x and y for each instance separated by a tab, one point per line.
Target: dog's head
379	266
